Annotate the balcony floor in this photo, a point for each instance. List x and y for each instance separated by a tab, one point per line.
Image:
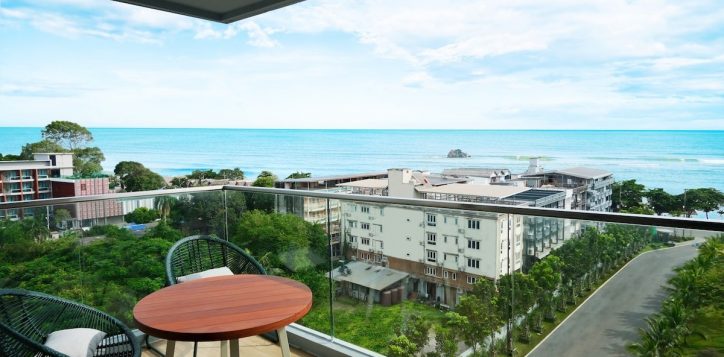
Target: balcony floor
254	346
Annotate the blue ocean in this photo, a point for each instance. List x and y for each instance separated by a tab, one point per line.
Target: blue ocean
673	160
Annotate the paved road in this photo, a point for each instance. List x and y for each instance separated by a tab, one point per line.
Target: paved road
610	319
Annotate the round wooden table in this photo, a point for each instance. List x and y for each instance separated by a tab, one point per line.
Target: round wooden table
223	308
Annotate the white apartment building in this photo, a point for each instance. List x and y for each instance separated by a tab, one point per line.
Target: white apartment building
444	251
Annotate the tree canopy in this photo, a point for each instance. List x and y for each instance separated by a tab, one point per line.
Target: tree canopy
67	134
299	174
134	177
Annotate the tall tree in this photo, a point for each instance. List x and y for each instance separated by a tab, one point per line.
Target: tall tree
661	201
231	174
68	134
136	177
87	161
45	145
627	194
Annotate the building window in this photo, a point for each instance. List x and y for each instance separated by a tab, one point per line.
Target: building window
454	276
365	241
473	224
474	244
365	226
353	224
365	209
382	245
432	256
351	239
445	274
83	187
431	220
473	263
471	279
431	238
430	271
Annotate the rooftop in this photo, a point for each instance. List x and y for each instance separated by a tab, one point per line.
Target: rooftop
475	171
533	194
334	178
371	276
368	183
494	191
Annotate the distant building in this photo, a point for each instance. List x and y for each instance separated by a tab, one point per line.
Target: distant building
27	180
88	214
315	210
444	251
590	189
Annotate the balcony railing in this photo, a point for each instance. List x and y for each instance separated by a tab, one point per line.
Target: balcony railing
100	259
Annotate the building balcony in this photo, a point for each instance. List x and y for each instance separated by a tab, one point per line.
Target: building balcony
117	268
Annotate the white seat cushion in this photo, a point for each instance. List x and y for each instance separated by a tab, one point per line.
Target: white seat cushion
75	342
205	274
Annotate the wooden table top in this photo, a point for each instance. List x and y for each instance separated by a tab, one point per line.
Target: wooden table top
222	308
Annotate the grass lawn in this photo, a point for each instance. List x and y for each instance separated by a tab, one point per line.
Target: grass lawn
707	321
367	326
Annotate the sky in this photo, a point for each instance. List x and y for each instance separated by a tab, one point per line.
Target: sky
427	64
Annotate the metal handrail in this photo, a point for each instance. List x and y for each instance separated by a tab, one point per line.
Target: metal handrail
605	217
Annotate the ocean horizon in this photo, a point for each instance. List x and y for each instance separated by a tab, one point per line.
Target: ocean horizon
670	159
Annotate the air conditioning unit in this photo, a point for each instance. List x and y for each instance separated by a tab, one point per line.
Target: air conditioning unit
462	268
371	234
460	250
372	218
461	230
421	260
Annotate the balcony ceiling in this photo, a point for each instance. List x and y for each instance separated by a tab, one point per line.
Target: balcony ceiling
225	11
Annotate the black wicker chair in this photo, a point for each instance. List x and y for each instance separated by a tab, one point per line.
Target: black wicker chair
199	253
28	317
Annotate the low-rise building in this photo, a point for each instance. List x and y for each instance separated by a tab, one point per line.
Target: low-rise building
27	180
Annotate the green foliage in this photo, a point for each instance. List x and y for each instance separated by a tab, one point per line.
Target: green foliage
416	329
696	296
231	174
136	177
87	161
60	217
661	201
294	244
299	174
702	199
627	194
68	134
142	215
10	157
401	346
45	145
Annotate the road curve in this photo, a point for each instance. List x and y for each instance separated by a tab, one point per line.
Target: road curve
609	321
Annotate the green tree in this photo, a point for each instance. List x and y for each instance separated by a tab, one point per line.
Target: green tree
87	161
68	134
416	329
703	199
294	243
401	346
231	174
136	177
73	138
265	179
45	145
661	201
446	342
60	217
626	194
299	174
142	215
480	308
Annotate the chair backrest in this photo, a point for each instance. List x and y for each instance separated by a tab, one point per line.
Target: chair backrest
28	317
199	253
